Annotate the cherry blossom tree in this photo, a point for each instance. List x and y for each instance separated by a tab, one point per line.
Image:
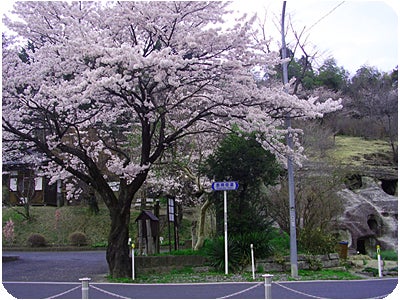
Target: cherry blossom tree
104	89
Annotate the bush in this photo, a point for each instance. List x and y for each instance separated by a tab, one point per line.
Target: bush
316	241
314	262
36	240
239	254
215	250
78	239
261	244
280	242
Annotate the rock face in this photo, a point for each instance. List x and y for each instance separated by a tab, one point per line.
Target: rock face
370	218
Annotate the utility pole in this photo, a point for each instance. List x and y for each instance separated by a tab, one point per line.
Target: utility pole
289	141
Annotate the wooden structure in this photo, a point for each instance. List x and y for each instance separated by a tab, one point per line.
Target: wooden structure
148	233
23	184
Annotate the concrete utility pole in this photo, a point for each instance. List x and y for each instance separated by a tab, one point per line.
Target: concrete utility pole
289	141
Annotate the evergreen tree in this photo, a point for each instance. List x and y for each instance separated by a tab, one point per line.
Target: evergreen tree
242	159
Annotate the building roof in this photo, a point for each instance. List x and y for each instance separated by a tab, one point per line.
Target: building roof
145	215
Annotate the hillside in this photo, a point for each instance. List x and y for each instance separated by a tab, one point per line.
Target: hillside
356	151
369	158
356	157
56	230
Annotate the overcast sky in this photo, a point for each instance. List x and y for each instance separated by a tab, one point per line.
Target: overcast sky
355	33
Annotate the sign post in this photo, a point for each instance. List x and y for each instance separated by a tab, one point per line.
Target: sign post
226	230
378	254
225	186
171	218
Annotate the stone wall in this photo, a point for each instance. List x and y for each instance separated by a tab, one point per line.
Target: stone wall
166	263
304	262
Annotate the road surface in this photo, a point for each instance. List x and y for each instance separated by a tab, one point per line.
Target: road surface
56	275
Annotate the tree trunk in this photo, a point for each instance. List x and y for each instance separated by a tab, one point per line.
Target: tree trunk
118	250
118	260
202	221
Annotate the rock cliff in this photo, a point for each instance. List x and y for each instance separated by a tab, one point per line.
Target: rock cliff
370	217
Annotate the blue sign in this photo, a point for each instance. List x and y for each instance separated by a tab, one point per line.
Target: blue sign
225	186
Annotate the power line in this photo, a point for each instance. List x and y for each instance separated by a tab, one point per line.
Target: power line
323	17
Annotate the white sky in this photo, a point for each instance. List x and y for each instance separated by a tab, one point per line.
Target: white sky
355	33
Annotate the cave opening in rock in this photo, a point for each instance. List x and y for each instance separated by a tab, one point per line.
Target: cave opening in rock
361	246
389	186
366	245
373	223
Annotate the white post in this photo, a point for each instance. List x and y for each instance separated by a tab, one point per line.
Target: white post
129	244
85	287
133	261
268	285
226	230
252	261
378	252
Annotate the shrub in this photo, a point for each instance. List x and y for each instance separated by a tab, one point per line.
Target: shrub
239	254
261	244
215	250
280	242
36	240
78	239
314	262
316	241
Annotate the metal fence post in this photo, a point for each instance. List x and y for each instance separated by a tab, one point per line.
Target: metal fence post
268	285
85	287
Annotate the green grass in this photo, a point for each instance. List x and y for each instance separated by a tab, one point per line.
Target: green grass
187	275
190	275
358	151
327	274
387	255
183	252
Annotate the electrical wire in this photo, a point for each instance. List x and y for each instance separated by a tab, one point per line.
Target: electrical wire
324	16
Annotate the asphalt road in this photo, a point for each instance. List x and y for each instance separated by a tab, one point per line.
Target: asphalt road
284	290
56	275
63	266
